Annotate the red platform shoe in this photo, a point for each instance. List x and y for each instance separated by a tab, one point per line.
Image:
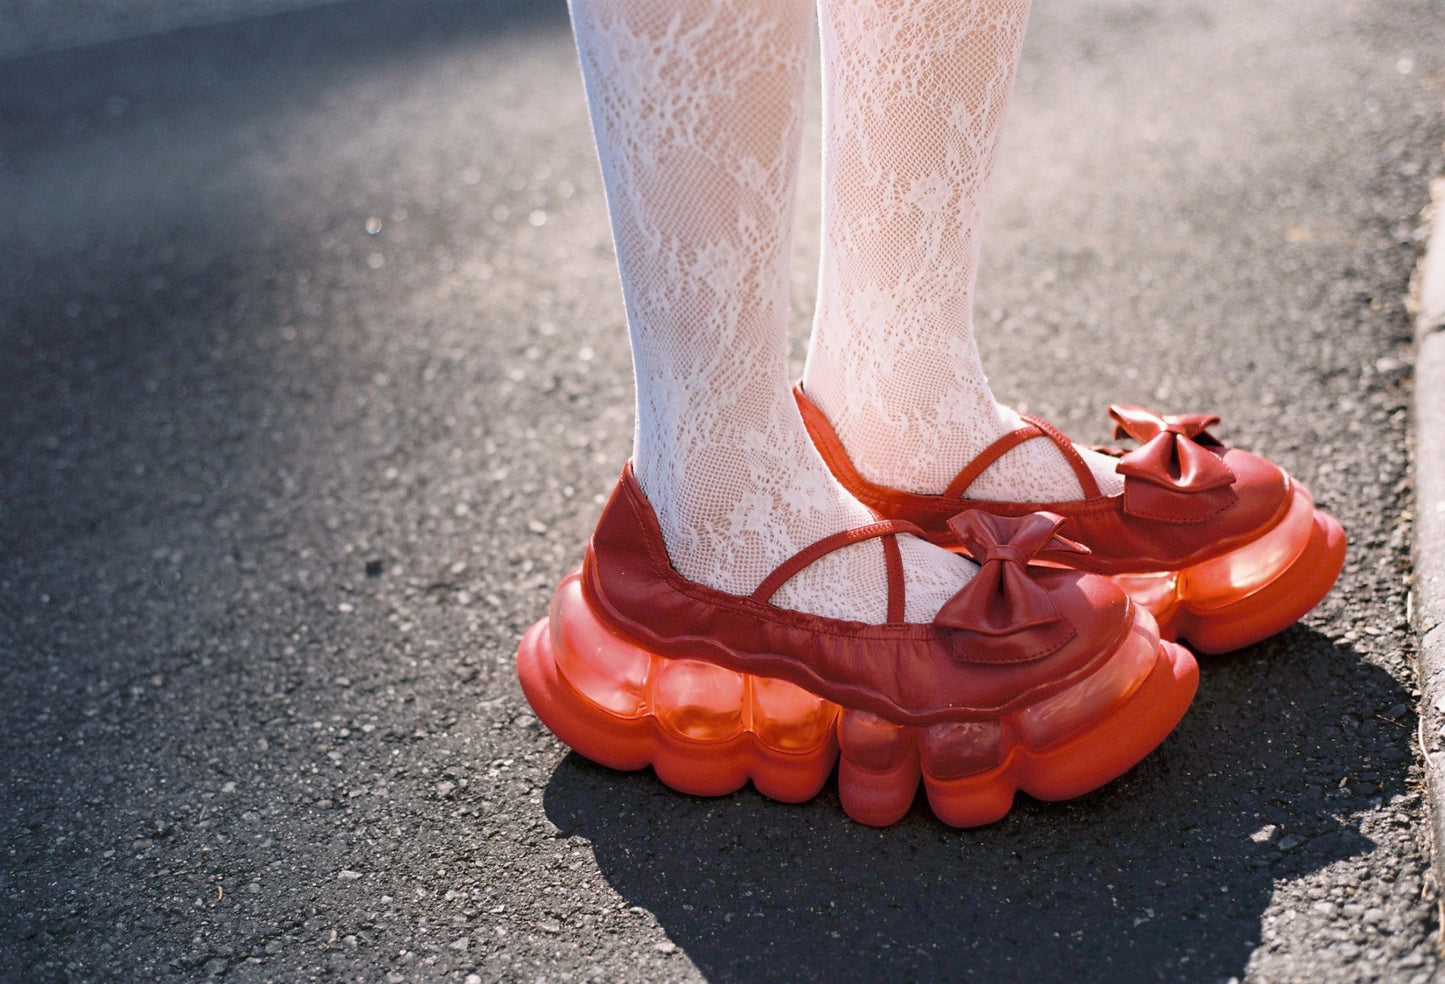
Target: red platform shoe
1222	546
1043	679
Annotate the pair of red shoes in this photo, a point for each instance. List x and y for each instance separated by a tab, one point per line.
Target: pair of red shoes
1040	674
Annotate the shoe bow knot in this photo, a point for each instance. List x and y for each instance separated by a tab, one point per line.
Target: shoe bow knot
1002	599
1177	449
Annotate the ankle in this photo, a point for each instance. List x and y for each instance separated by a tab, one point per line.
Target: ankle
929	452
728	526
906	433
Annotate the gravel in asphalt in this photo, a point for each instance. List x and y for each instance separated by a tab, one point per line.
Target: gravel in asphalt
314	374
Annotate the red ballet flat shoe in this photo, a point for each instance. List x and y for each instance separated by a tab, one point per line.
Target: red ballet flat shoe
1222	546
1041	679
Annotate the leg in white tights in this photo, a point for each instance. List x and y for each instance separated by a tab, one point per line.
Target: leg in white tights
914	100
697	111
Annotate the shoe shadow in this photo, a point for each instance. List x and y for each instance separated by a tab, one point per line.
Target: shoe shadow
1162	875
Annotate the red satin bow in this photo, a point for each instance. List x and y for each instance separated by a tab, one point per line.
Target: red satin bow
1175	453
1002	599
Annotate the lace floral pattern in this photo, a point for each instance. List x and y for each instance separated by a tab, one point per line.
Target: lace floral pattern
914	102
697	110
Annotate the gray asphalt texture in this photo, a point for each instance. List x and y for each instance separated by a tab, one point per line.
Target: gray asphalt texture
313	373
30	26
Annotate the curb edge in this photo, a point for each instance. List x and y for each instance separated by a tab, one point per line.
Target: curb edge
1427	591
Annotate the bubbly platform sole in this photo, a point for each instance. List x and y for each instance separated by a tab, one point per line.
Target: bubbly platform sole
1251	592
708	730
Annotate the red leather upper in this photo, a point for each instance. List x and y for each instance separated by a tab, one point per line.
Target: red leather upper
1186	497
985	660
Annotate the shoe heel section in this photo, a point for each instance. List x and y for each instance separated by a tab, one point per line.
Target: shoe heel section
706	730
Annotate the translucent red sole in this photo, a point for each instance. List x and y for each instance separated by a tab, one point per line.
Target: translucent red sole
707	730
1252	592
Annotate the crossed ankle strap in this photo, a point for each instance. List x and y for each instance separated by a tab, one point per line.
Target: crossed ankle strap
828	444
886	529
1035	428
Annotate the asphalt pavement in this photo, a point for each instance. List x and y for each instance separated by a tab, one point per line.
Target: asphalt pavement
30	26
313	374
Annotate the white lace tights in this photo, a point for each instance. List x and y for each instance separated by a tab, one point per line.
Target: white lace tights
914	100
697	110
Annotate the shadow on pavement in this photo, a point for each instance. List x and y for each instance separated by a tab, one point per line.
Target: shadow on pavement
203	395
1163	875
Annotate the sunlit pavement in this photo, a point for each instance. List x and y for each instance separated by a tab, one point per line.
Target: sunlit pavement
312	373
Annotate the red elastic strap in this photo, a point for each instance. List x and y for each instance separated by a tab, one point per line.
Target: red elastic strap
1037	428
892	560
987	457
1076	461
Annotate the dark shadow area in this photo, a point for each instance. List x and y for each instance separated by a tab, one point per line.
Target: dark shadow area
1161	876
260	65
184	253
232	453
